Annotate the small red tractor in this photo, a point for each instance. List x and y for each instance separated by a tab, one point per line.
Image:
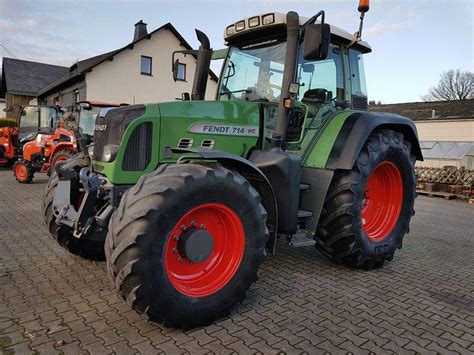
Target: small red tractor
43	140
8	145
54	142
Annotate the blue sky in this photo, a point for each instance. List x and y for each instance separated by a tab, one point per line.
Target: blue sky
413	41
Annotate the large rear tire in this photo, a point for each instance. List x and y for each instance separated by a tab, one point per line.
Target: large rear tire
367	210
186	243
86	247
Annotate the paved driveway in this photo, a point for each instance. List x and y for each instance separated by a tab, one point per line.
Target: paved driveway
421	302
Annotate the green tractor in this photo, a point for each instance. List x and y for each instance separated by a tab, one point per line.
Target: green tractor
186	199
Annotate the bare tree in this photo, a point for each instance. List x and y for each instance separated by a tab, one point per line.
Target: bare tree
453	85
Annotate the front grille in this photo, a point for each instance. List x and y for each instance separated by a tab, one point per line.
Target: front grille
110	129
138	152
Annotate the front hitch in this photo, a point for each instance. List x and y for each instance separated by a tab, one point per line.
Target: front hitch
82	221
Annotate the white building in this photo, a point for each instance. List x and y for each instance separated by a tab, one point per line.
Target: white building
139	72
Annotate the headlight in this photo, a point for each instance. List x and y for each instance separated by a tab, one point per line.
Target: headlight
230	30
90	150
240	26
110	152
268	19
254	21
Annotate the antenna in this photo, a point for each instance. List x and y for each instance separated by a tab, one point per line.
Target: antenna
363	8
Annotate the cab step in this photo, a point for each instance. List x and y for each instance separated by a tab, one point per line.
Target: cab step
300	240
303	214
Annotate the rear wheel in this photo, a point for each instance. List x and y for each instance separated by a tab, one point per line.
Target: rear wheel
23	171
367	210
186	243
86	247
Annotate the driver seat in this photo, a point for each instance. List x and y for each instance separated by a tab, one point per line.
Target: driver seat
315	98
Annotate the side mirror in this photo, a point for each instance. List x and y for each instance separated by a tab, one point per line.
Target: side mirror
316	41
175	69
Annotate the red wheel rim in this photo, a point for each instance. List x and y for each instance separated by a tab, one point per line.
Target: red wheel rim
212	274
383	201
21	172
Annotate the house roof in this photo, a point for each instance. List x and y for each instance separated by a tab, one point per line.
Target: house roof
460	109
23	77
78	70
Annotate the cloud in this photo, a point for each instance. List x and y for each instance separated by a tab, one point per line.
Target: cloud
381	28
34	30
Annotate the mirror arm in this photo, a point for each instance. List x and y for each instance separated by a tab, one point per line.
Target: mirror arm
185	52
311	21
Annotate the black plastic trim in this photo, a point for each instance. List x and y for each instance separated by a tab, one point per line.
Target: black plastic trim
352	137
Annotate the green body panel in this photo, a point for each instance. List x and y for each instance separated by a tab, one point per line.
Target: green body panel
233	127
317	152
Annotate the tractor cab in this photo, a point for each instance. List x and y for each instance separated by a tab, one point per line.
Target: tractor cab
38	119
323	82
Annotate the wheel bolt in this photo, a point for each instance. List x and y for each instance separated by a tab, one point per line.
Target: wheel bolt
183	227
174	250
180	259
175	237
203	226
193	223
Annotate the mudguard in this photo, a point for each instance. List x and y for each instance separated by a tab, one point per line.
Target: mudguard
254	176
63	146
356	130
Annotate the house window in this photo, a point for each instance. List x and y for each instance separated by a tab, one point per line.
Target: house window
145	65
181	72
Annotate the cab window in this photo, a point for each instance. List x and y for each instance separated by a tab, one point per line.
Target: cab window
359	88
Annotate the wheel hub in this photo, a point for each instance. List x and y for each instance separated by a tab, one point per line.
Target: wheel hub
195	245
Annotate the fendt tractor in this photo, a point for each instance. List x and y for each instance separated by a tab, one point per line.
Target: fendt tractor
188	197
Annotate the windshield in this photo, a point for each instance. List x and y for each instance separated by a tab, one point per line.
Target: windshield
29	119
256	74
87	120
253	74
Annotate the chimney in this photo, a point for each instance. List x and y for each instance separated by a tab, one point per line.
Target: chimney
140	31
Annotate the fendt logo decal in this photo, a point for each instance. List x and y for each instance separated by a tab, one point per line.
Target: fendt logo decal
224	130
100	127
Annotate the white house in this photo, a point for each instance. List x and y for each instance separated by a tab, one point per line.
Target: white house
139	72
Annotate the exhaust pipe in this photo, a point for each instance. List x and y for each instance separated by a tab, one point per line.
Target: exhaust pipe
203	64
293	28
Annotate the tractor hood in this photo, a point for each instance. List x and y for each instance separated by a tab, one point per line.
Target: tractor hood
136	139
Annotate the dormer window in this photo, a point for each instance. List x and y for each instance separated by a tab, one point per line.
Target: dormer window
145	65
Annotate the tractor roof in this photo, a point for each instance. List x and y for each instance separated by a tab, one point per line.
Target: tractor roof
278	19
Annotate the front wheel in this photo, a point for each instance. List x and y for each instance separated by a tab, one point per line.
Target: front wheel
90	247
186	243
367	210
23	171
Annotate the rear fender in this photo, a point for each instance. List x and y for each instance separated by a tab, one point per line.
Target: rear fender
254	176
62	146
356	130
